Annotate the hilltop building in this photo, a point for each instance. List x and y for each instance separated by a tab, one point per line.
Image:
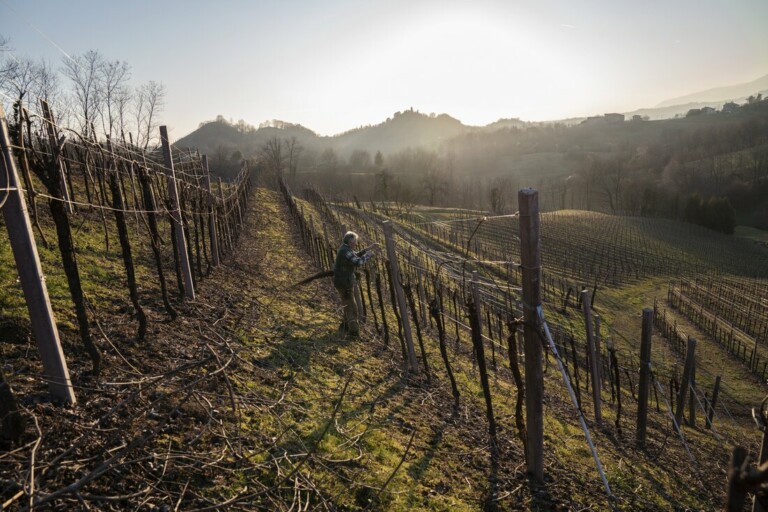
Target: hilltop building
605	118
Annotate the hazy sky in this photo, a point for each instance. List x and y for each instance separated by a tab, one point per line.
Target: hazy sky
336	65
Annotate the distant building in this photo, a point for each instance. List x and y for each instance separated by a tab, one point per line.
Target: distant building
730	107
606	118
637	117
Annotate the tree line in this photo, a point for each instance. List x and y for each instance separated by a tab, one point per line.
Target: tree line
91	94
710	170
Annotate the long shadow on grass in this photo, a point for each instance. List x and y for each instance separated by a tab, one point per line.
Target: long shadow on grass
419	467
291	442
298	352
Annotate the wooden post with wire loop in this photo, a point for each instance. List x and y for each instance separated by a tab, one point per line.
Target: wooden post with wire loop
400	296
178	226
645	375
22	243
530	258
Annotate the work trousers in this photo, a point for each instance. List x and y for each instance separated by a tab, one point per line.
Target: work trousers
349	323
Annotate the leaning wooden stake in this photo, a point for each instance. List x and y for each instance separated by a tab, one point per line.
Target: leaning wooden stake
593	356
400	295
530	258
22	243
176	218
645	375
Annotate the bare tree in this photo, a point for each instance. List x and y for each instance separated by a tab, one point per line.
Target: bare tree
501	192
272	155
435	184
113	77
384	180
148	103
7	64
46	83
21	79
84	71
293	151
123	98
329	161
359	160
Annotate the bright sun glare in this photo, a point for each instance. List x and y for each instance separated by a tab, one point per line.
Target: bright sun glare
495	68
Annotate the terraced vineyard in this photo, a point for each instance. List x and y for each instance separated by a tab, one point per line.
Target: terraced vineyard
625	262
460	278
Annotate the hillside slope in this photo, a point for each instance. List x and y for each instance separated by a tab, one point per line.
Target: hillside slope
250	401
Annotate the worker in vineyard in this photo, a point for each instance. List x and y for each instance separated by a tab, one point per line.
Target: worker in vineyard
347	261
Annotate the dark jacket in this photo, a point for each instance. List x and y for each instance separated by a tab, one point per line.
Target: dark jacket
346	263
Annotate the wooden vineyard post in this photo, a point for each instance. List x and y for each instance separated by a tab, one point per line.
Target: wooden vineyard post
178	226
690	360
400	295
31	276
713	402
692	397
212	231
593	356
530	266
645	375
598	348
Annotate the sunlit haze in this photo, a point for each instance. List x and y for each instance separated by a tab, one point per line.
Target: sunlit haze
333	66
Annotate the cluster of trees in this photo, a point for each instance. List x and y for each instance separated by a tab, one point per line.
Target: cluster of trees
241	126
715	213
88	92
724	156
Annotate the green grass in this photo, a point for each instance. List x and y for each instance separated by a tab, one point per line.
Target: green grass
299	367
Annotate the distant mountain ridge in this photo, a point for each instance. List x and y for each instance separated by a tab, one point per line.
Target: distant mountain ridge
411	128
404	129
720	94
